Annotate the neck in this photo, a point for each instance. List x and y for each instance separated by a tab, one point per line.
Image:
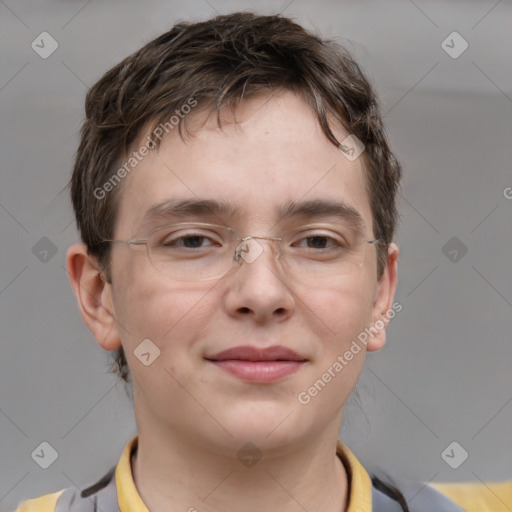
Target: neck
182	474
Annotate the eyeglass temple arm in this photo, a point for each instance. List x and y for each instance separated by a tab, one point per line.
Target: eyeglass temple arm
128	242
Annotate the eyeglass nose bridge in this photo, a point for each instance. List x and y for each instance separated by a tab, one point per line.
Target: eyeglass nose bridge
248	252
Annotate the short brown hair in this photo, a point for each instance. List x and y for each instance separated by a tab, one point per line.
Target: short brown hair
220	62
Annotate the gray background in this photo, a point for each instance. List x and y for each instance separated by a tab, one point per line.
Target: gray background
444	375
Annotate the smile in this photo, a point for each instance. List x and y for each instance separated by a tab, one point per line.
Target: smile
258	365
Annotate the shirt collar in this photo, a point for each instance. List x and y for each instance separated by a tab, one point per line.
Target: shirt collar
127	495
359	483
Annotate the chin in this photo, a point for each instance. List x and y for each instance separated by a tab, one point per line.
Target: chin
268	426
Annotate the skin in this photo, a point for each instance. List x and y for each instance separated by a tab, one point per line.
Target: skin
192	417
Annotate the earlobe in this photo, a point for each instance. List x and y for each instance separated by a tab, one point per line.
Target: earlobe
94	296
383	300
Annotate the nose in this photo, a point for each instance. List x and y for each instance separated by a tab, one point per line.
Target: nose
257	288
249	248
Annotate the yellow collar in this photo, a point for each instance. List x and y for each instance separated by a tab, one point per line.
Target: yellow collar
360	487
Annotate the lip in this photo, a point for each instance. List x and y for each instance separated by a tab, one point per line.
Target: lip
258	365
249	353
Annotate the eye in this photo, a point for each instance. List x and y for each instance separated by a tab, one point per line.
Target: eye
319	241
189	239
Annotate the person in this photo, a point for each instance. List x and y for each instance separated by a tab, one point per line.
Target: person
235	194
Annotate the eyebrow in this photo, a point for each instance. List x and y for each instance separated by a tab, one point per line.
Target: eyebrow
315	208
183	208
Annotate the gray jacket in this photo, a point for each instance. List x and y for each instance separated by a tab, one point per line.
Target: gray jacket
102	497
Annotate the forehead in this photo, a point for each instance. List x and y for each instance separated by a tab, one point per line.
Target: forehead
269	158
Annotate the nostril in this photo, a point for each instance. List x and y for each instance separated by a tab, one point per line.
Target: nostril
244	310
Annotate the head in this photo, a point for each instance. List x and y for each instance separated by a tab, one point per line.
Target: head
251	111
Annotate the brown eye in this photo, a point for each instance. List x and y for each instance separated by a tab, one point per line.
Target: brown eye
188	239
190	242
317	242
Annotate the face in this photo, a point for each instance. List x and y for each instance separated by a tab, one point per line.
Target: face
274	154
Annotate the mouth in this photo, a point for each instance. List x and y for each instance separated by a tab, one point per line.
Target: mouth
258	365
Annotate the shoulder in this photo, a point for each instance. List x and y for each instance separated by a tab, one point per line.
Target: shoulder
398	494
381	492
44	503
479	497
100	496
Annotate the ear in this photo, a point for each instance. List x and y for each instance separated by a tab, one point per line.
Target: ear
382	310
94	296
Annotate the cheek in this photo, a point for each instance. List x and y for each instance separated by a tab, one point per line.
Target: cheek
149	306
336	317
173	318
337	314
